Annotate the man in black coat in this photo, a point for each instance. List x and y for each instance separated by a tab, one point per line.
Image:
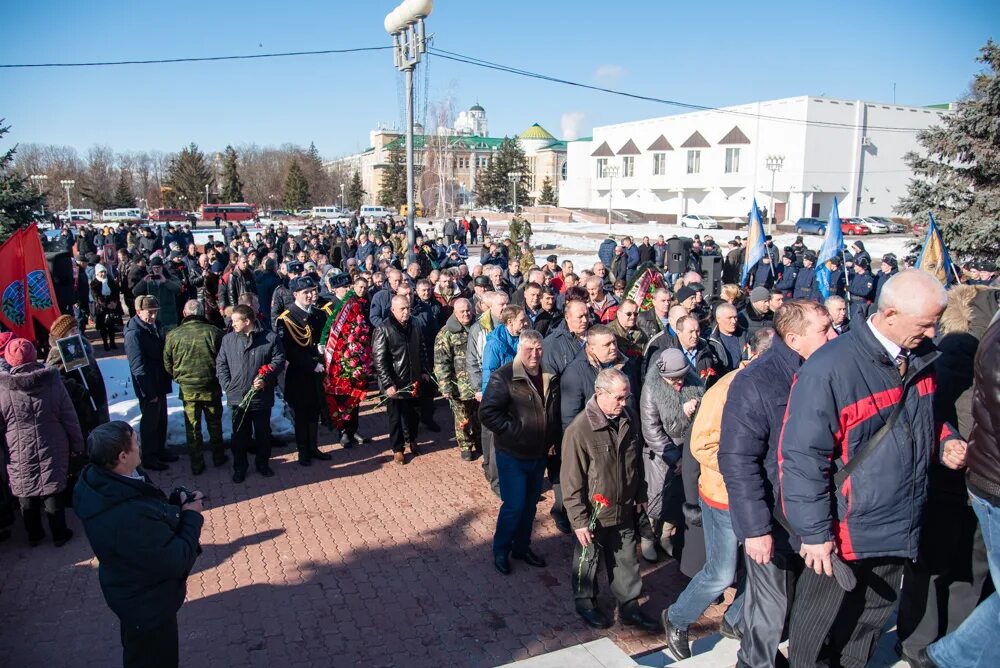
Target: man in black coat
145	545
144	341
397	357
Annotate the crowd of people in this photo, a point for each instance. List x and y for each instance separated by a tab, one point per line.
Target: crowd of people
808	449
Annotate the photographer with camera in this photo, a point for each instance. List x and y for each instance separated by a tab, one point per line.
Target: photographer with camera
164	288
145	543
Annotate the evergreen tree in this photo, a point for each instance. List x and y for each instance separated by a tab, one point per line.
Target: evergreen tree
958	174
97	183
356	193
187	175
18	196
296	188
232	186
548	194
124	199
393	190
493	186
320	182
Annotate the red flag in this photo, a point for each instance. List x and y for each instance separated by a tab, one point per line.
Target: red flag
14	314
41	292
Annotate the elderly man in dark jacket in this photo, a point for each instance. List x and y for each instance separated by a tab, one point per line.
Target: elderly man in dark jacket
189	358
397	353
145	544
602	453
842	397
144	342
521	408
565	342
748	461
243	354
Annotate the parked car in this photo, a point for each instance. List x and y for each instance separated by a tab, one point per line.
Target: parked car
894	227
701	222
874	227
810	226
853	226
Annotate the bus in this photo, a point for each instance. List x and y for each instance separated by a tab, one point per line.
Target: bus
77	216
169	215
115	215
327	212
238	211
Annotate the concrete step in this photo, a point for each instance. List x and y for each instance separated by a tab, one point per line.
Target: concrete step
602	653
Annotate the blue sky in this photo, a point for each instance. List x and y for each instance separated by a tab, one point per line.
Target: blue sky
711	53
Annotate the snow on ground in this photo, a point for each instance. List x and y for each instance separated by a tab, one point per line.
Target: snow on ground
124	406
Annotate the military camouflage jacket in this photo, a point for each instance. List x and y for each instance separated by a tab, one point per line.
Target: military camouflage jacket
189	357
449	360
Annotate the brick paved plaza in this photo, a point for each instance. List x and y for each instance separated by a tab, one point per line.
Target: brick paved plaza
352	562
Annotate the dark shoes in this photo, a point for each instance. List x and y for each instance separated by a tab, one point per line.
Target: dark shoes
562	521
677	639
239	476
502	564
727	630
921	660
594	618
154	465
414	449
220	460
197	466
63	539
167	456
530	558
631	615
265	471
320	455
304	459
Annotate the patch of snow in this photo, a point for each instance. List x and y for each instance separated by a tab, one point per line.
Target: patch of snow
123	405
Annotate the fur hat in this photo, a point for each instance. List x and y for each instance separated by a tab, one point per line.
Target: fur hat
672	364
146	303
20	351
61	326
302	283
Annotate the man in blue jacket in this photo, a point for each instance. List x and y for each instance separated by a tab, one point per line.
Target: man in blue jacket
145	545
842	397
748	460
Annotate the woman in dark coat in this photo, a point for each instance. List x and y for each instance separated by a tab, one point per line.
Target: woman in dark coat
41	428
85	385
107	306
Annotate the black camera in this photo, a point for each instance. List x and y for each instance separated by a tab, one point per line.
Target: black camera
180	496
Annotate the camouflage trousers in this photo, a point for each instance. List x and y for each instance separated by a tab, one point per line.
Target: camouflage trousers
193	411
467	429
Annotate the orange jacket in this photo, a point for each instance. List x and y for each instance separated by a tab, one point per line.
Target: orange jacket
705	442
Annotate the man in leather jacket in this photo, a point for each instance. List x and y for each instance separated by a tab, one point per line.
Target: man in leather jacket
396	353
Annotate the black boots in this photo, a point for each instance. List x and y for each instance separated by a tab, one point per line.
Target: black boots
57	525
631	615
307	437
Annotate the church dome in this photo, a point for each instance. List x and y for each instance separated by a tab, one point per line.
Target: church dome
536	131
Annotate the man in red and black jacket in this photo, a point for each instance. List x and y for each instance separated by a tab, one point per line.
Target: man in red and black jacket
841	397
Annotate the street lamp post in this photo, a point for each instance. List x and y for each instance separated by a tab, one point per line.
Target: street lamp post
39	181
612	173
206	193
773	164
515	178
341	196
406	25
68	185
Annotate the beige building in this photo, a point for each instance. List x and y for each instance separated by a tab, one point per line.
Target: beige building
449	161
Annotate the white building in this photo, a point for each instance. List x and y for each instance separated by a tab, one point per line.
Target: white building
715	162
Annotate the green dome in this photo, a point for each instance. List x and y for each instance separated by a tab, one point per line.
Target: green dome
476	107
536	131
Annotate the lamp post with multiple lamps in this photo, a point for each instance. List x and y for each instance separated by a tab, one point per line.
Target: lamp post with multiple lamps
39	180
515	178
773	164
612	173
68	185
406	25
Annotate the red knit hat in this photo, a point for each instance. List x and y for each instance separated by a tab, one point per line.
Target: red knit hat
20	351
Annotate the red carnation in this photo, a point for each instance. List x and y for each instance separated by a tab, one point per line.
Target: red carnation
601	500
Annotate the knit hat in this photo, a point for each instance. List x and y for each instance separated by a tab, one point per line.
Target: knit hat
61	326
684	294
99	268
146	303
672	364
156	261
20	351
759	294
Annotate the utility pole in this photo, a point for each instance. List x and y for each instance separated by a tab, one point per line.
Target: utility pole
68	185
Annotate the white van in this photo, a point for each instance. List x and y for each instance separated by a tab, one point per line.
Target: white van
115	215
374	212
326	212
78	215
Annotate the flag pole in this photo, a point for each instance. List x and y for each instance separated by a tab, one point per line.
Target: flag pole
957	277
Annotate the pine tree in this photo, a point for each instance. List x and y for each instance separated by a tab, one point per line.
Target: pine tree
958	174
355	193
123	191
320	182
393	190
232	186
296	188
493	185
187	175
548	194
18	196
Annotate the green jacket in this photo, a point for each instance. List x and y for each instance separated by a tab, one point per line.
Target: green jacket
189	357
450	370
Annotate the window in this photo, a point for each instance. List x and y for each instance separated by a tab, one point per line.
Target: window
628	166
602	168
694	162
563	172
482	161
732	160
659	164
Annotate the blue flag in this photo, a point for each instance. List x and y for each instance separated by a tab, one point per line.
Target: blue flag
833	245
934	257
755	242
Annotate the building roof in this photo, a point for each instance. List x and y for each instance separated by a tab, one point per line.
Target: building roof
695	141
629	149
734	136
661	144
476	107
455	141
603	151
536	131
